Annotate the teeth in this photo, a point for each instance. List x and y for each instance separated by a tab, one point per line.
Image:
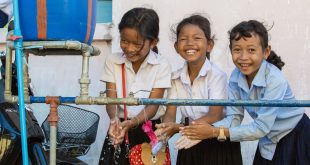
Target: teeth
244	65
190	52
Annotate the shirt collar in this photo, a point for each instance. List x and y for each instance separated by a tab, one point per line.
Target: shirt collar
183	75
259	79
205	68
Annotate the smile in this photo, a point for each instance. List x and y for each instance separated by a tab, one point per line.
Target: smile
191	52
244	65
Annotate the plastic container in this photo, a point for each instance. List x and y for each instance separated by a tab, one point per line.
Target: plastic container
57	20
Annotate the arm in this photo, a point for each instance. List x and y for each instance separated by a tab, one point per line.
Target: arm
170	114
108	76
111	93
261	125
266	116
150	110
147	113
234	116
112	112
217	89
200	129
168	127
214	114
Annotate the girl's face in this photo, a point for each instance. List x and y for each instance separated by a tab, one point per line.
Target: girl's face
248	54
192	44
134	46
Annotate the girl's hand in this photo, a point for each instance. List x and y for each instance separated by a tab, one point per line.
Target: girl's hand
123	129
197	131
114	129
185	143
166	130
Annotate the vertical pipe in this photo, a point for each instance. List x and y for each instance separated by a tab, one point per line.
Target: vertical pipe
84	81
53	136
8	73
26	78
53	119
18	44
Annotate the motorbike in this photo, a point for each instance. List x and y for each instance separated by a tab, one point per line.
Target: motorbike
76	130
10	137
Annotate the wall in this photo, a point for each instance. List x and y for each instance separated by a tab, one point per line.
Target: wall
288	21
290	38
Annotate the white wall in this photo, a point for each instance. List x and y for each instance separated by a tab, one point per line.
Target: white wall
290	34
290	38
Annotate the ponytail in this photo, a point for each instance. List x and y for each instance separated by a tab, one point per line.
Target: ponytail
274	59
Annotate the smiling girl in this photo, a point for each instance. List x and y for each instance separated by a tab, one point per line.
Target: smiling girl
139	69
283	132
199	78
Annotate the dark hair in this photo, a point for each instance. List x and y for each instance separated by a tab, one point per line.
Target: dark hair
200	21
145	21
275	60
245	29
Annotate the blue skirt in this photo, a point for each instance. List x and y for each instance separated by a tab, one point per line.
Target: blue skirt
292	149
3	19
211	152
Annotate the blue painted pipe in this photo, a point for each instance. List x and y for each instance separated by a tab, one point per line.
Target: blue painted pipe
61	99
193	102
18	44
206	102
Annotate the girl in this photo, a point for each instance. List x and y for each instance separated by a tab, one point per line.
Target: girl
140	70
283	132
198	79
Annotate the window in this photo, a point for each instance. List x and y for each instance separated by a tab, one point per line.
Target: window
104	11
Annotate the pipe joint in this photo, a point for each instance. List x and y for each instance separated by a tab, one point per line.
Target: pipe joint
53	117
73	45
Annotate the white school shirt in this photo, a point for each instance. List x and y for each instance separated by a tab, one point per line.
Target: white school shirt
7	7
211	83
154	72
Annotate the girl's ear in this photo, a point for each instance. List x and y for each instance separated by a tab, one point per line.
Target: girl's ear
267	52
176	47
154	43
210	44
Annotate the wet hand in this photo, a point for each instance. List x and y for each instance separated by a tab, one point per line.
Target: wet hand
165	130
123	129
114	129
185	143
